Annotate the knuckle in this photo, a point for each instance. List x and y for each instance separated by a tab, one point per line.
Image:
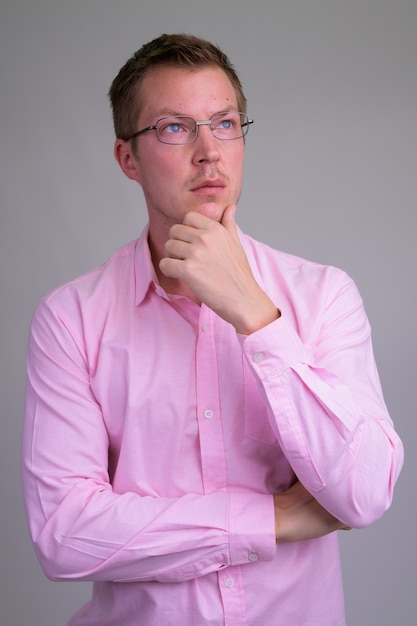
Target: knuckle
204	237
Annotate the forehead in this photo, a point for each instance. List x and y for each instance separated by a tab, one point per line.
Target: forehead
192	91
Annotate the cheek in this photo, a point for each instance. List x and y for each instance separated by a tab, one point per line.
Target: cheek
155	173
238	173
165	170
237	158
160	183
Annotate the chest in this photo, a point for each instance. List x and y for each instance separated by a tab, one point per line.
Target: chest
182	409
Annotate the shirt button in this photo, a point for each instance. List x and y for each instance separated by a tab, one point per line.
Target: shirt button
229	582
253	556
208	414
258	357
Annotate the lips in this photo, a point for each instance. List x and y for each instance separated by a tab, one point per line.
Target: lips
210	185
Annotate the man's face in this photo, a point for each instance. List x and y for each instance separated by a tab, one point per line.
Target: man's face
203	176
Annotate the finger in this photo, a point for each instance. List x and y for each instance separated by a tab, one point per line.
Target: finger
197	220
170	267
177	248
183	232
229	219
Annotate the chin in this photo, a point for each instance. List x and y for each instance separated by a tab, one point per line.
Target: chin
212	210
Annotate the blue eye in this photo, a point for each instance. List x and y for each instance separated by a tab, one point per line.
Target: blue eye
172	128
226	124
175	125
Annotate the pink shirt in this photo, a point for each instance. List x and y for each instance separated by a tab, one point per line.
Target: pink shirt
155	436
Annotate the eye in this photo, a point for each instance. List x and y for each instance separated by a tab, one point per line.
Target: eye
176	125
172	127
225	124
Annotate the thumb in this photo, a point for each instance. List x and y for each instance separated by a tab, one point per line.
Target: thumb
228	219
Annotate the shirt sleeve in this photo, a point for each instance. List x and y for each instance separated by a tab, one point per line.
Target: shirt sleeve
326	406
80	527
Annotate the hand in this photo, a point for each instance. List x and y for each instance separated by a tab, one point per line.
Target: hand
208	257
298	516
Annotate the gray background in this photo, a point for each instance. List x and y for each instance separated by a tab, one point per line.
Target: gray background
330	175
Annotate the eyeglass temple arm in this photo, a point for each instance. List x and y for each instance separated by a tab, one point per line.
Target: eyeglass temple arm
248	122
139	132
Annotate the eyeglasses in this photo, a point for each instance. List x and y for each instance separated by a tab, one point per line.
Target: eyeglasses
182	129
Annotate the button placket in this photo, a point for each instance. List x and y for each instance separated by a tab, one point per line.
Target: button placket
233	596
213	460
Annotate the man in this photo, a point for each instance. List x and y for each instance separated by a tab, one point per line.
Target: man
202	411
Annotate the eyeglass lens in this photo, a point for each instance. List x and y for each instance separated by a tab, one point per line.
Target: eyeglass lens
179	129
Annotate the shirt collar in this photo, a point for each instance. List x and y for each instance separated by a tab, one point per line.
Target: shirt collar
144	271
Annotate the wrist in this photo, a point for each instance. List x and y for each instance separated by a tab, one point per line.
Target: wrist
256	317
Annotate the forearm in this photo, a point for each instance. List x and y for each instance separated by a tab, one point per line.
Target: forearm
83	528
338	438
94	534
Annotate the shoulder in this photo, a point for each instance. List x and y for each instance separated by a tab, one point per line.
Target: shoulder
307	291
289	267
94	293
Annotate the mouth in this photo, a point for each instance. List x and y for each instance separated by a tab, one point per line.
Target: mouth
209	186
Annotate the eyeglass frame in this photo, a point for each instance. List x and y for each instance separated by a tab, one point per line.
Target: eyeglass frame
198	123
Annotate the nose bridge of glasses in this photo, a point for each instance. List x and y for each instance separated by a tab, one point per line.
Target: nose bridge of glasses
203	122
199	123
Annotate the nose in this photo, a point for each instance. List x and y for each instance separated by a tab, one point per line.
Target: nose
206	146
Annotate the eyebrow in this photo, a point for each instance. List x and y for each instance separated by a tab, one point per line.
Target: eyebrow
169	112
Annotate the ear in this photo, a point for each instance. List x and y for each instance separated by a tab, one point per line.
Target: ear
127	159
